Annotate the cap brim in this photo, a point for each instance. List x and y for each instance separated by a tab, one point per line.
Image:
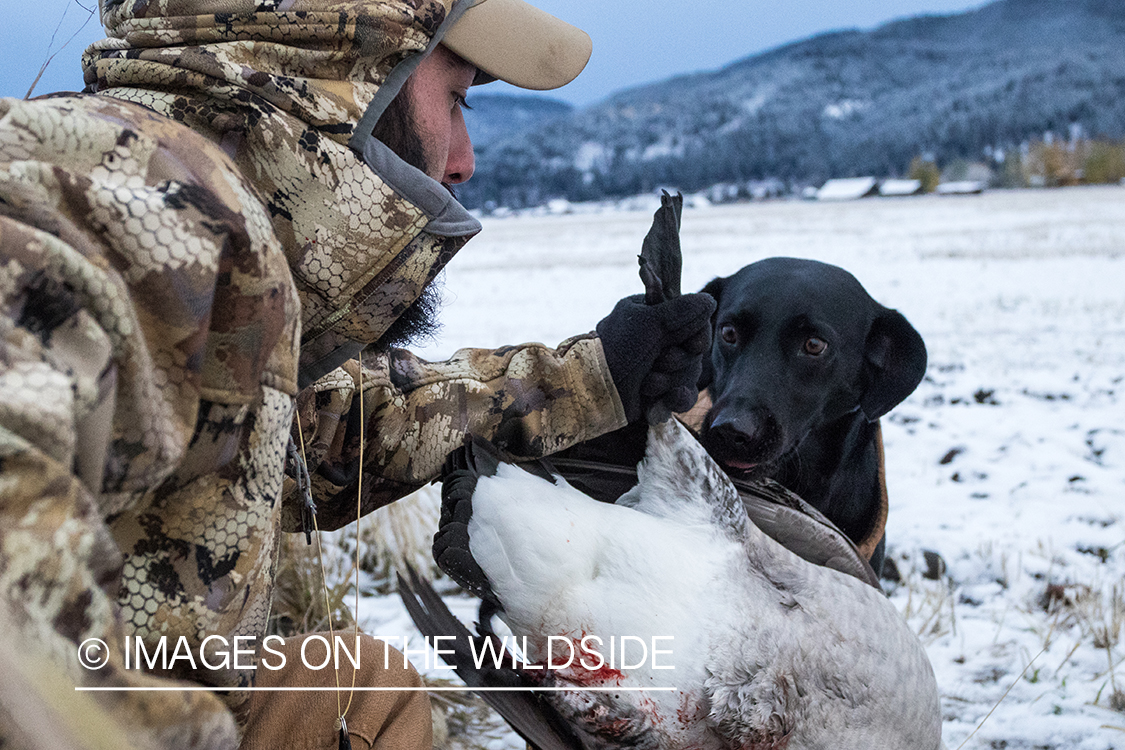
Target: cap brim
515	42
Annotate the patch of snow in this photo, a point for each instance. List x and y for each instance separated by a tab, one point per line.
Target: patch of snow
731	126
752	104
663	148
843	108
591	155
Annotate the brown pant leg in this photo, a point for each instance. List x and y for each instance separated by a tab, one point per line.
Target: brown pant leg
306	720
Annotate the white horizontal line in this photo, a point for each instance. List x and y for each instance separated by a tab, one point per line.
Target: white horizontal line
344	688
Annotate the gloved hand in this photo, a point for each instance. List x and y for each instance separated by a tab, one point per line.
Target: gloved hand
655	352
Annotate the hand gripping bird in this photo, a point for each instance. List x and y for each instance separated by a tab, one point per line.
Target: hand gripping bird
749	645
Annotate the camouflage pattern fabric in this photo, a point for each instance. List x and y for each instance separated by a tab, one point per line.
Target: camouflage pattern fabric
149	325
532	400
280	92
161	285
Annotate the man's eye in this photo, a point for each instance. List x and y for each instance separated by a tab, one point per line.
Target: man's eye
459	100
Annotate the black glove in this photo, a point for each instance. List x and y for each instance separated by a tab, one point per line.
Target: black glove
655	352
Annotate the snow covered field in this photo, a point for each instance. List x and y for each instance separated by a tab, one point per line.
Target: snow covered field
1008	461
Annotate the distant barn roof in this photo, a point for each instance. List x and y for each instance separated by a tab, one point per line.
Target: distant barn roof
900	187
961	187
847	189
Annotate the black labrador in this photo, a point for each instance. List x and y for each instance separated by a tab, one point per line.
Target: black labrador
803	364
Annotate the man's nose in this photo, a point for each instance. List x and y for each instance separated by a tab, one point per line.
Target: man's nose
461	162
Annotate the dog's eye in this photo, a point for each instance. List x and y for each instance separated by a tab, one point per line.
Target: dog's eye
815	346
728	333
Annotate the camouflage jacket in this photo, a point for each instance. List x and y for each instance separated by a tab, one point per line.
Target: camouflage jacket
179	249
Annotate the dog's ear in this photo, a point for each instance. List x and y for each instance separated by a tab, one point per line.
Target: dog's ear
707	374
895	360
714	288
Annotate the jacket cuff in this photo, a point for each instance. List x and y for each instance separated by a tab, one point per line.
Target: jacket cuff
602	415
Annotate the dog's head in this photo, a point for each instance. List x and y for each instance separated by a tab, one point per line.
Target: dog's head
797	345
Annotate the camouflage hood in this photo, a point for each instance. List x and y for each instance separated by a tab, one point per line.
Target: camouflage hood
282	86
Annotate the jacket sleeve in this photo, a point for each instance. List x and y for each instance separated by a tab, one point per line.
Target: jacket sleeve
530	400
94	411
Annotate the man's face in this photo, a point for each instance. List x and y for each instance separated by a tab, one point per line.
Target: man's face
436	92
424	126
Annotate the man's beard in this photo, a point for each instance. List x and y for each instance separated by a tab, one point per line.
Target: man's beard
418	322
396	129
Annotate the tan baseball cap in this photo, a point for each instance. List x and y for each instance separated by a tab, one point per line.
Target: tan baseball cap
515	42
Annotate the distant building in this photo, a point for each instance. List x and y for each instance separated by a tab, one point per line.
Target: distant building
559	206
900	187
768	188
755	190
724	192
961	187
847	189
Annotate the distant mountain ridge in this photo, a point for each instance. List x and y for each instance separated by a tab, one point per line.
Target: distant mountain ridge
840	104
493	116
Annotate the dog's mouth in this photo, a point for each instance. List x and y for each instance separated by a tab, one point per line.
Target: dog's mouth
746	470
739	466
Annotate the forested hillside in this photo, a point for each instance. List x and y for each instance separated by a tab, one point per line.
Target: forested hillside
969	86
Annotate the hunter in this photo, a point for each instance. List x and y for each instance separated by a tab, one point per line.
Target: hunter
249	198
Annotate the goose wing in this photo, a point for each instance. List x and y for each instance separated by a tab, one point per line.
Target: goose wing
802	529
533	718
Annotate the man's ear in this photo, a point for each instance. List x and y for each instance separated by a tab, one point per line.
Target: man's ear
894	361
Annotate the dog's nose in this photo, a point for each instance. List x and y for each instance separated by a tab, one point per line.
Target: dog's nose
737	434
741	439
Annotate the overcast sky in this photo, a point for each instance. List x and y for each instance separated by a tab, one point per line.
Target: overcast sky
635	41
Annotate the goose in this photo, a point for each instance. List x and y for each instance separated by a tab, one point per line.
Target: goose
766	649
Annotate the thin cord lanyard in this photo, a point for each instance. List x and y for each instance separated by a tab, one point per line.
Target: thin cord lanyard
342	711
